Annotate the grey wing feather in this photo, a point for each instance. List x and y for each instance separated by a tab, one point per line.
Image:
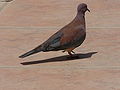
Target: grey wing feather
53	42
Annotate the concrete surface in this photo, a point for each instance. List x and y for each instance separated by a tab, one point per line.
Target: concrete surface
26	24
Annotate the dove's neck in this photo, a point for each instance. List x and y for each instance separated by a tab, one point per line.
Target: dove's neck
81	18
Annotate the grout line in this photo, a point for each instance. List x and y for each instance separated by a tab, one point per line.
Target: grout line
51	27
61	67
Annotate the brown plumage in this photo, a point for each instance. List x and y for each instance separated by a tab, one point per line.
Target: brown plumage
67	38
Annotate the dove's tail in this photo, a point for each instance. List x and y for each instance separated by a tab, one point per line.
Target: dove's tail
36	50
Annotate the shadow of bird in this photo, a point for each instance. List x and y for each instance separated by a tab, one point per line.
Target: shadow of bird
61	58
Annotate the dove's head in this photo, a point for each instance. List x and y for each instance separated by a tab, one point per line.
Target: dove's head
82	8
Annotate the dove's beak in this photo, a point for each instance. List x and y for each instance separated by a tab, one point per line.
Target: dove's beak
88	10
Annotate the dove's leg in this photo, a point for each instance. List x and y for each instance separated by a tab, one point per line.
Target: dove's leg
70	51
73	52
70	54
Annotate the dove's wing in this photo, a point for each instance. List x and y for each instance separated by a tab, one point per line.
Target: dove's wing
53	43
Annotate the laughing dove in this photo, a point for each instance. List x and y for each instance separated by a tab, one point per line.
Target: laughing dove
67	38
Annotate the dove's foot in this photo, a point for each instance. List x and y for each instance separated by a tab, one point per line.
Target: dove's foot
73	52
70	52
72	55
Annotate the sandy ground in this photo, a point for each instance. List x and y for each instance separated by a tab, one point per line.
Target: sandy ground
24	24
